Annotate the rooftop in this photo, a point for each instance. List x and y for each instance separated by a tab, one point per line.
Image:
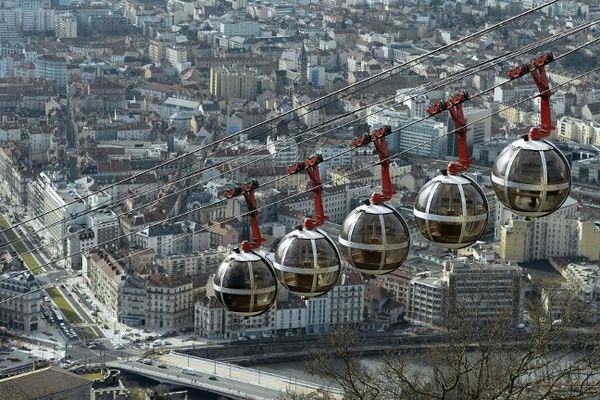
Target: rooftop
169	280
41	384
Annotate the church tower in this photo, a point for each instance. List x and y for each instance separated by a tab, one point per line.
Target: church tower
302	67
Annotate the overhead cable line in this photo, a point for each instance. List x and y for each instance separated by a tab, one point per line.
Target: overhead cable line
446	81
391	71
332	158
261	208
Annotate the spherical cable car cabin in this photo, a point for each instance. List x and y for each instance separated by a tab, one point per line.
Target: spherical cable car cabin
531	176
307	260
245	282
374	238
451	210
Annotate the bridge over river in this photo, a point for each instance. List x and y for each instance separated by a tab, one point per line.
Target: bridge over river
221	378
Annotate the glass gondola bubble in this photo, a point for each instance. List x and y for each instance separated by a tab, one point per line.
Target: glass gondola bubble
374	238
451	210
245	282
531	176
307	261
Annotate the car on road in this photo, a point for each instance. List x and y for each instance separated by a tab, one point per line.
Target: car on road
189	371
119	347
212	378
162	366
47	299
242	338
266	335
289	333
146	361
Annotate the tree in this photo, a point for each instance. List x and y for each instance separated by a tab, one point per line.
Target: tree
549	359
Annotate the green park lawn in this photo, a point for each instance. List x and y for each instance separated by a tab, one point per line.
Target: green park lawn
29	261
64	306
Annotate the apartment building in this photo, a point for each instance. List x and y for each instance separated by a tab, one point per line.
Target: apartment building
578	130
227	83
66	215
478	293
20	301
427	298
343	305
52	68
167	239
552	236
105	277
65	26
206	261
211	321
132	301
397	283
584	278
169	301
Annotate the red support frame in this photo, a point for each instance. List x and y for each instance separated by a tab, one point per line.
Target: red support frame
454	105
378	138
537	69
247	189
311	166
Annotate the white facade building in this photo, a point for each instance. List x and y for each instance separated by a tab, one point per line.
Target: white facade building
20	302
52	68
479	293
343	305
206	261
426	298
244	29
168	239
418	137
578	130
336	201
169	301
176	55
66	26
283	149
55	202
584	278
